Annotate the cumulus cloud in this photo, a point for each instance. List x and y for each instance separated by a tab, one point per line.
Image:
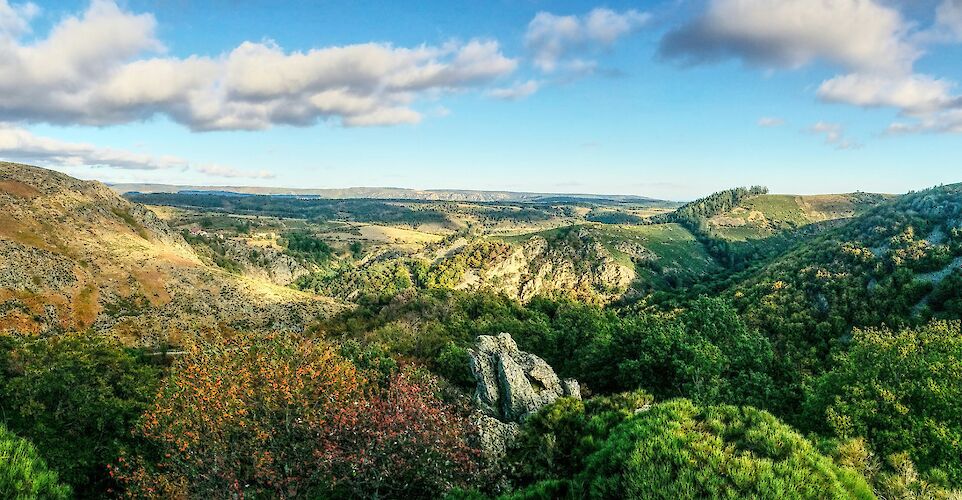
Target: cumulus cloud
770	122
912	93
551	39
17	144
106	66
15	19
834	135
21	145
869	39
856	34
515	92
947	121
948	20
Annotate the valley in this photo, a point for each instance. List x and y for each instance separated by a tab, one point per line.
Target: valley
212	313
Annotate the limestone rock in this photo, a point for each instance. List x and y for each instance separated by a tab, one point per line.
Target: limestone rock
511	385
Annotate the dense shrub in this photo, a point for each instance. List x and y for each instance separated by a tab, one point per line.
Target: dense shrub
403	442
243	417
306	246
280	416
554	442
23	474
902	390
76	398
678	450
706	353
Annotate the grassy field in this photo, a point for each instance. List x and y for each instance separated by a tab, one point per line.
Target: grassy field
763	216
674	245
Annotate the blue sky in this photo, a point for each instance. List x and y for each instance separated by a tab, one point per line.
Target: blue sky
671	99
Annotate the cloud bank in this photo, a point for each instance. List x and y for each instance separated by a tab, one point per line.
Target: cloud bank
875	46
20	145
107	67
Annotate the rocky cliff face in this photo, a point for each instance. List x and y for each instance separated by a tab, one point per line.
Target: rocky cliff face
576	265
265	263
74	255
511	385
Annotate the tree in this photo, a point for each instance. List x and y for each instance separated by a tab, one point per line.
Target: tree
900	389
247	416
284	416
76	397
404	442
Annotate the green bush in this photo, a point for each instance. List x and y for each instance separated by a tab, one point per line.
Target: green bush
23	474
555	441
76	397
677	450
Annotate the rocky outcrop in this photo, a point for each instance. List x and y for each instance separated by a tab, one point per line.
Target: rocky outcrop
511	385
265	263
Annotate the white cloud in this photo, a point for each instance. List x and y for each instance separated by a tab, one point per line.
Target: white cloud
104	67
15	19
515	92
551	38
770	122
911	93
870	39
834	135
859	35
947	121
233	173
21	145
948	18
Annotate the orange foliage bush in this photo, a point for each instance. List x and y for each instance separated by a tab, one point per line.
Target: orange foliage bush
286	417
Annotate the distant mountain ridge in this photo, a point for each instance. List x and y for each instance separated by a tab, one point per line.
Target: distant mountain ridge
387	193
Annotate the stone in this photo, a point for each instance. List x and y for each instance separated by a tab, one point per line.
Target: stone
511	386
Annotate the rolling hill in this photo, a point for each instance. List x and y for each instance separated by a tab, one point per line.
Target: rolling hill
74	255
765	215
390	193
596	263
896	264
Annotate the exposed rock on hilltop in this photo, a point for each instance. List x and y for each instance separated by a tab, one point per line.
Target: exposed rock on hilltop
75	255
512	384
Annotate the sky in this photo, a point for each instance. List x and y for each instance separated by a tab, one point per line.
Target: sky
672	99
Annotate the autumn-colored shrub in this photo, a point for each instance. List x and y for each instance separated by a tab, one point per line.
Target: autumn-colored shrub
404	443
250	416
284	417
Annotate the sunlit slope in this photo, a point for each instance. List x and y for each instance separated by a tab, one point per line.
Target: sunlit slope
75	255
766	215
898	263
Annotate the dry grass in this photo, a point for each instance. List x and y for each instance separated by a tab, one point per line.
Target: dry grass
18	189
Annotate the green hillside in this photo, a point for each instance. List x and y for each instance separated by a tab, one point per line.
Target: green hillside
898	263
765	215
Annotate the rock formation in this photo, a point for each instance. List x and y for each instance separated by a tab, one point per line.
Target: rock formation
512	385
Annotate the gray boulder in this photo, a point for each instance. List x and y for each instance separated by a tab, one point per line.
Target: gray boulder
512	385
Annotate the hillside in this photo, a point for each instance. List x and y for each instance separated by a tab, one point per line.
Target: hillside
594	263
75	255
896	264
765	215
